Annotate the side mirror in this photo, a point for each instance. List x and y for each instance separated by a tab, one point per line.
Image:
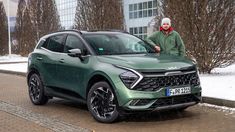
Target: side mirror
78	53
75	52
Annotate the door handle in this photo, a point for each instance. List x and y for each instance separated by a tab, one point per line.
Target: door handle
39	58
61	60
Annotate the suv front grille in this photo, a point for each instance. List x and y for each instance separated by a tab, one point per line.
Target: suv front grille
155	83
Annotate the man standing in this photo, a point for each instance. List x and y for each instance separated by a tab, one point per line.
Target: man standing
167	41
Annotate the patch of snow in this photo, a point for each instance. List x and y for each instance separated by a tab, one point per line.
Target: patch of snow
229	70
219	84
18	67
13	58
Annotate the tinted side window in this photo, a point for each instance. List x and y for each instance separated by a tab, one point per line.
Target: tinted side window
73	42
44	45
41	44
56	43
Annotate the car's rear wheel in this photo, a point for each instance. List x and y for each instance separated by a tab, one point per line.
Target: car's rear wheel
36	90
102	103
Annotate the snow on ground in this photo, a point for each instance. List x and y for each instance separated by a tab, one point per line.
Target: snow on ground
13	58
220	84
18	67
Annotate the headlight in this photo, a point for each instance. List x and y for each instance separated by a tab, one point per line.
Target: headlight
29	60
129	78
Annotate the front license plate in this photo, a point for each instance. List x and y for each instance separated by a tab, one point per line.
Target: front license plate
178	91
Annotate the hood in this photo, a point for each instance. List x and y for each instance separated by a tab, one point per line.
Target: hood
147	61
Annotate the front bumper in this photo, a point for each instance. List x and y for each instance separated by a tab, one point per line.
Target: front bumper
133	100
163	103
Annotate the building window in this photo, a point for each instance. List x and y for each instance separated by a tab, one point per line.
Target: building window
131	7
150	13
145	13
131	15
140	6
140	14
143	9
135	7
150	4
154	12
136	14
145	5
154	3
140	32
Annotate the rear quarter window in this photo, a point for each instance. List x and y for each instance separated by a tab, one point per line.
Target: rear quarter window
40	43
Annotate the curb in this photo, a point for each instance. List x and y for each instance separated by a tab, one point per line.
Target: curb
209	100
14	62
14	73
220	102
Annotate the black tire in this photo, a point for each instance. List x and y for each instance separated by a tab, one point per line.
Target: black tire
36	90
102	103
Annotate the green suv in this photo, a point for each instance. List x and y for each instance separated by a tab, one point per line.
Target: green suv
113	72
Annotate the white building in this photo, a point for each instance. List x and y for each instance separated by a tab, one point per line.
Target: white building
139	15
66	10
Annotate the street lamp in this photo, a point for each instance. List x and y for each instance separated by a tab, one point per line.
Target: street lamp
9	31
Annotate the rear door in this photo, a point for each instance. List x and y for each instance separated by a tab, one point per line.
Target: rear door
49	58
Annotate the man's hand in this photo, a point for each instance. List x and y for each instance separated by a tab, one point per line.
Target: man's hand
157	49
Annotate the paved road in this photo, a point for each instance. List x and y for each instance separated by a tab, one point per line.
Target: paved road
16	111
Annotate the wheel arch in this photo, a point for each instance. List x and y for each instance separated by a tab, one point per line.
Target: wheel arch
32	71
97	78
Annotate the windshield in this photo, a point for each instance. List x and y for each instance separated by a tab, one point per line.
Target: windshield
116	44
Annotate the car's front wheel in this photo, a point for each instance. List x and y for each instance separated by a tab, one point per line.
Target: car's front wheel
36	90
102	103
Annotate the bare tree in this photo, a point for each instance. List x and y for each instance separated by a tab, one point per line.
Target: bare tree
3	30
24	33
28	33
99	15
161	11
35	19
44	16
19	23
207	28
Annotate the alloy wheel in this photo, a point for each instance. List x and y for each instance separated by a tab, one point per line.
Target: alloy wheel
34	88
102	102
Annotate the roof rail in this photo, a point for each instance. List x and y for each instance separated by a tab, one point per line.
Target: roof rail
111	30
78	31
74	30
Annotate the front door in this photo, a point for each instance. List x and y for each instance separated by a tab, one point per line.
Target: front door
71	70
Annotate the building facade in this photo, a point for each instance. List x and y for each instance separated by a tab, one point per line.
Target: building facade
66	10
139	15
